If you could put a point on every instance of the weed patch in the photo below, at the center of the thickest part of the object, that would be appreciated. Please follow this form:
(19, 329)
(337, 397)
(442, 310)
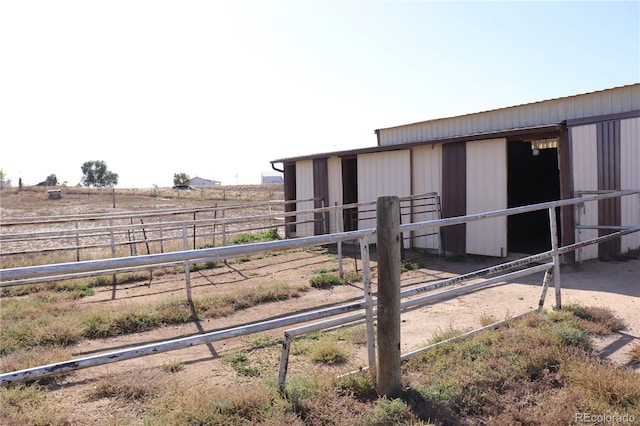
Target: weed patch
(269, 235)
(596, 320)
(326, 280)
(240, 363)
(511, 373)
(328, 352)
(409, 266)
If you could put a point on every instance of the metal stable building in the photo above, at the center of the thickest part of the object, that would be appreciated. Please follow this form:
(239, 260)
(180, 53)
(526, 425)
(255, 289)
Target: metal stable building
(507, 157)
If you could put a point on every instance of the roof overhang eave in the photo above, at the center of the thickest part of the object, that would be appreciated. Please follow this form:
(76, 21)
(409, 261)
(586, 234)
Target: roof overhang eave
(509, 133)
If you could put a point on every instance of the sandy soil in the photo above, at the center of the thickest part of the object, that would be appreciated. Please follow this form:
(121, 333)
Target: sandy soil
(606, 284)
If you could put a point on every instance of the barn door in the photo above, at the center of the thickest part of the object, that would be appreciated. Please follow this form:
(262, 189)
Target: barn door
(608, 158)
(487, 191)
(454, 188)
(320, 194)
(290, 195)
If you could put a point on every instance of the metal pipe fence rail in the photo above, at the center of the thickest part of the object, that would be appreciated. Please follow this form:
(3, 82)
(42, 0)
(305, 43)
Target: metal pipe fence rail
(157, 236)
(551, 269)
(20, 235)
(427, 205)
(141, 214)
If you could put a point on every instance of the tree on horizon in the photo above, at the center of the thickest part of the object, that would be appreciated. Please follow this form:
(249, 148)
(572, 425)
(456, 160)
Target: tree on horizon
(96, 173)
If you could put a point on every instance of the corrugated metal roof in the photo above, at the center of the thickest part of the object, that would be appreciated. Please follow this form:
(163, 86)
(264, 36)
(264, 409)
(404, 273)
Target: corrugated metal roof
(609, 101)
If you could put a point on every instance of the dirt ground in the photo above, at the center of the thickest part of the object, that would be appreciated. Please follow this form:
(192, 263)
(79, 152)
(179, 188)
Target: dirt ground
(613, 284)
(605, 284)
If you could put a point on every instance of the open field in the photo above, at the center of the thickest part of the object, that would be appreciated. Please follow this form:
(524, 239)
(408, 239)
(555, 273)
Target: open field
(33, 201)
(211, 378)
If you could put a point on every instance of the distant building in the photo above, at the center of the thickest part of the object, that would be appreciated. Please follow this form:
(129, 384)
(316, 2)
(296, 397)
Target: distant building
(271, 178)
(197, 181)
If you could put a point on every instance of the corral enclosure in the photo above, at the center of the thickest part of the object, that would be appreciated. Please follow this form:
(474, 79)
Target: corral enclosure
(42, 225)
(249, 276)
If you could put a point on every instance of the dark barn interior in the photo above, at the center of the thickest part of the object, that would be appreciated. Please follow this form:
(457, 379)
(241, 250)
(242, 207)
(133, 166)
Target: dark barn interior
(532, 177)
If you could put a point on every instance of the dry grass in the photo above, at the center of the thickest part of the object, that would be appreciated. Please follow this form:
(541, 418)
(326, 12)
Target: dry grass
(45, 320)
(634, 353)
(102, 199)
(537, 370)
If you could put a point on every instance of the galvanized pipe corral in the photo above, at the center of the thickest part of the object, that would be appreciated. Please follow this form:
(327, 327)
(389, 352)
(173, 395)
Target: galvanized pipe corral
(9, 276)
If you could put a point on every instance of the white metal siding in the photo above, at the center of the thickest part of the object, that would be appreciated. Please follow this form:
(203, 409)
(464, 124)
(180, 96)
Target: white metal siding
(304, 191)
(382, 174)
(427, 177)
(487, 191)
(334, 170)
(611, 101)
(585, 178)
(630, 178)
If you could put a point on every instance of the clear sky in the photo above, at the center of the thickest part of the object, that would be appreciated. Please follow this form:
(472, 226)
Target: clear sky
(216, 89)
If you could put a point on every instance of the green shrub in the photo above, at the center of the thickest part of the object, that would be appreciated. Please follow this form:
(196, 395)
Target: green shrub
(328, 352)
(389, 412)
(269, 235)
(325, 281)
(409, 266)
(361, 384)
(571, 336)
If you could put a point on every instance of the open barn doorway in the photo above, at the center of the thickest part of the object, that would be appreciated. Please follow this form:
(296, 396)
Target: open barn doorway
(532, 177)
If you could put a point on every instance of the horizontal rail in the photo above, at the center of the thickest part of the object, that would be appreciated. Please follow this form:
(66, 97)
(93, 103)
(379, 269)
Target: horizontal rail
(216, 253)
(136, 215)
(467, 288)
(155, 348)
(604, 227)
(514, 210)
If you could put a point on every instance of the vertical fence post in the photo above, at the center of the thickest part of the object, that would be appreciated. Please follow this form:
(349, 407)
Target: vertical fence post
(161, 236)
(556, 257)
(194, 230)
(77, 243)
(114, 280)
(132, 239)
(339, 228)
(577, 208)
(388, 336)
(224, 230)
(366, 284)
(215, 223)
(284, 361)
(187, 272)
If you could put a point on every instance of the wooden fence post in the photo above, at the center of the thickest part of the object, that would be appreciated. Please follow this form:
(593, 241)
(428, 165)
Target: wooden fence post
(388, 334)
